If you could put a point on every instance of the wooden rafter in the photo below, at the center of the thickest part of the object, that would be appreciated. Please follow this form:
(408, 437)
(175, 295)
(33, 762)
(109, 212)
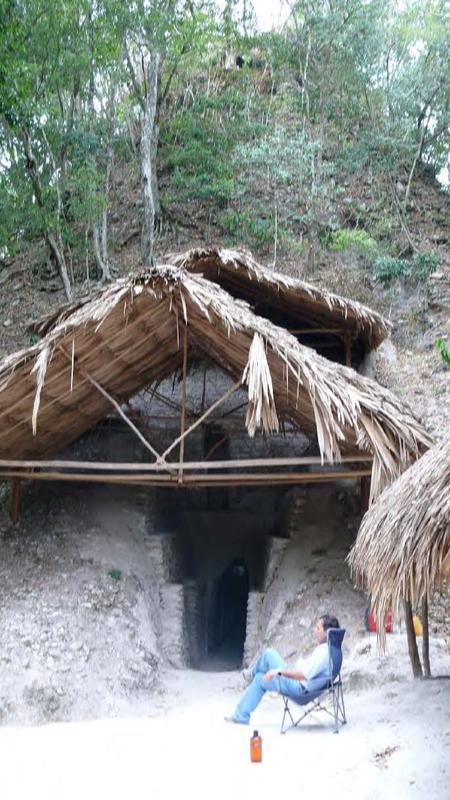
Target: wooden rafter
(7, 465)
(198, 481)
(85, 374)
(201, 419)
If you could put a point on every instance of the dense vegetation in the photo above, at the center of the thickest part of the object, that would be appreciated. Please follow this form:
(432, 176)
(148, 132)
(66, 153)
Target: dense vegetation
(261, 134)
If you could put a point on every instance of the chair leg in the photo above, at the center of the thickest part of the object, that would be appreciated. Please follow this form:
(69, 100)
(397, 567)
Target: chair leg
(336, 711)
(338, 707)
(341, 704)
(288, 712)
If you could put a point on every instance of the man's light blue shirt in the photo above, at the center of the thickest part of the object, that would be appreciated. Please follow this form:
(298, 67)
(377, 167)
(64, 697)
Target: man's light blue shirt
(316, 668)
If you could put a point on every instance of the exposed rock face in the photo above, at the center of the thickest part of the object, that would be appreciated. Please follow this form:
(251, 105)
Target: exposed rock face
(77, 635)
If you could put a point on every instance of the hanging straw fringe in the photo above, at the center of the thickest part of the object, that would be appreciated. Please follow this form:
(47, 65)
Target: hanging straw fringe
(402, 550)
(261, 411)
(40, 368)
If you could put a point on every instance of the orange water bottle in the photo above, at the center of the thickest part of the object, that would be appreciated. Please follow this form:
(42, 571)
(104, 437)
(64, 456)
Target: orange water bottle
(256, 747)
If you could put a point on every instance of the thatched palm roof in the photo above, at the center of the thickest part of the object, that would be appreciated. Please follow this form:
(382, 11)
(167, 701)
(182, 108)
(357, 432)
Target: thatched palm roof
(287, 301)
(131, 335)
(403, 546)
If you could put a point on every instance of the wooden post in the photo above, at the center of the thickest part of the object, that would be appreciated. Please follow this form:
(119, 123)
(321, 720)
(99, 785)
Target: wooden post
(412, 642)
(365, 493)
(201, 419)
(183, 406)
(425, 639)
(15, 500)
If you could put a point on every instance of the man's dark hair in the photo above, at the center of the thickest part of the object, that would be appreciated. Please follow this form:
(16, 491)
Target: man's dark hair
(329, 621)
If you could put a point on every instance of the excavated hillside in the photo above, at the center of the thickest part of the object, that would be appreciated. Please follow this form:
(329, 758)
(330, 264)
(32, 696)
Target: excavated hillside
(91, 604)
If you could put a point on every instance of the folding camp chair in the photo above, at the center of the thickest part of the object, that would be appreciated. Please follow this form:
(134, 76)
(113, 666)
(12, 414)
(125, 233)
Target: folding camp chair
(332, 690)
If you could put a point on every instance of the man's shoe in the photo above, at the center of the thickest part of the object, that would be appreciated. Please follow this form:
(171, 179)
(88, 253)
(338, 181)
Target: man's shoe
(236, 721)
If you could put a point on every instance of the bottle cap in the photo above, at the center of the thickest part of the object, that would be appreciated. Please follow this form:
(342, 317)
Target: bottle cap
(255, 733)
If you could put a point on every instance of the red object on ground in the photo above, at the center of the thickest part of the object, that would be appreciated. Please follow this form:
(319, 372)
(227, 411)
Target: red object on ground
(372, 625)
(256, 747)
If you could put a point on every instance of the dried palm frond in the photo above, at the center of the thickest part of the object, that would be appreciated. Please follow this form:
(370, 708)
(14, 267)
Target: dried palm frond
(261, 411)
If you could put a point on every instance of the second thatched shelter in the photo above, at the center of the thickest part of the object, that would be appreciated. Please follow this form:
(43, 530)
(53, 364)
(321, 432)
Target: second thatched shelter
(402, 550)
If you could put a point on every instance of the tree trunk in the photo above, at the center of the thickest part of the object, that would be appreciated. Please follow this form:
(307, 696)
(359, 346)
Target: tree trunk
(102, 265)
(58, 257)
(313, 240)
(56, 250)
(275, 234)
(425, 639)
(106, 274)
(414, 165)
(155, 187)
(69, 126)
(148, 149)
(412, 642)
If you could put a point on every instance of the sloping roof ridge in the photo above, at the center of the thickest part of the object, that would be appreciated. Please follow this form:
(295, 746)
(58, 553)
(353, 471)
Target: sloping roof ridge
(263, 274)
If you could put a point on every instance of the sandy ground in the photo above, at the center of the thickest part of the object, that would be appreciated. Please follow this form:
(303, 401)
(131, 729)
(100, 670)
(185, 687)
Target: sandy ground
(396, 744)
(71, 641)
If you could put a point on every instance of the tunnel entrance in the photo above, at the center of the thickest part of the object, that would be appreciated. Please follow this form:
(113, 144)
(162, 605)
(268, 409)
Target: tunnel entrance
(228, 618)
(218, 567)
(222, 561)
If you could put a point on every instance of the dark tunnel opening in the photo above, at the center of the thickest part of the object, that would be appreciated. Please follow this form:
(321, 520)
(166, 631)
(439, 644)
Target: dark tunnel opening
(220, 560)
(228, 618)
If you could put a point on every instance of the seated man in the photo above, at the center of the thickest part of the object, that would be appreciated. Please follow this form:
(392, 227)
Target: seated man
(270, 674)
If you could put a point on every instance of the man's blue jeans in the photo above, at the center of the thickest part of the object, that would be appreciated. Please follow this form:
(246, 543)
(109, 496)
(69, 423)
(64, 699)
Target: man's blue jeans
(253, 695)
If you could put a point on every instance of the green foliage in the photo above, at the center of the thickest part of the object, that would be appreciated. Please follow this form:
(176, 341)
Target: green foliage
(388, 268)
(441, 345)
(354, 239)
(197, 148)
(256, 228)
(233, 222)
(19, 216)
(202, 186)
(85, 189)
(350, 88)
(381, 227)
(424, 264)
